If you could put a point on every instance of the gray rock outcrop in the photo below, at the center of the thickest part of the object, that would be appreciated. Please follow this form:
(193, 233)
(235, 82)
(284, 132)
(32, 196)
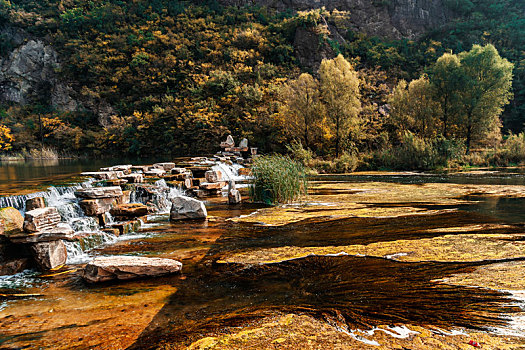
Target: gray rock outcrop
(186, 208)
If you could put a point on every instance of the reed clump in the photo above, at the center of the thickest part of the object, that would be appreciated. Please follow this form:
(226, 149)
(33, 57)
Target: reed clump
(277, 179)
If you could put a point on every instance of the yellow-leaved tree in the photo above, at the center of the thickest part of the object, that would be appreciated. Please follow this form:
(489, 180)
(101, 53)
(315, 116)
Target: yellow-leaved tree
(6, 138)
(340, 95)
(302, 109)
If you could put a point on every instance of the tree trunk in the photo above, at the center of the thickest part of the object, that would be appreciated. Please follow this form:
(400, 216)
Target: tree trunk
(337, 138)
(469, 131)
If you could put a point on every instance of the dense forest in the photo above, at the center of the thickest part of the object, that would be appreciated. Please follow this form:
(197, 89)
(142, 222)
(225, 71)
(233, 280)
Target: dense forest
(178, 77)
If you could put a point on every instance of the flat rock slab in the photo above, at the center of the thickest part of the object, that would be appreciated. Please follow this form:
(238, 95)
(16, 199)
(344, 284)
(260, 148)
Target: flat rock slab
(99, 192)
(129, 210)
(112, 268)
(63, 231)
(41, 219)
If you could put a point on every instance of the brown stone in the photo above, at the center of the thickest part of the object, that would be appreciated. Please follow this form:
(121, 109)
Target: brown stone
(133, 178)
(62, 231)
(112, 231)
(110, 268)
(212, 185)
(49, 255)
(94, 207)
(129, 210)
(35, 203)
(164, 166)
(126, 226)
(12, 219)
(12, 266)
(42, 219)
(117, 182)
(213, 176)
(99, 192)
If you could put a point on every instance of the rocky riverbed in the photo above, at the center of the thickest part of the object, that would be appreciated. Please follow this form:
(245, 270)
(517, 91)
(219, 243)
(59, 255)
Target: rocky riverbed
(372, 260)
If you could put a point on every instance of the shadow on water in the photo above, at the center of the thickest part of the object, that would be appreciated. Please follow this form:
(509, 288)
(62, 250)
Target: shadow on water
(506, 209)
(365, 291)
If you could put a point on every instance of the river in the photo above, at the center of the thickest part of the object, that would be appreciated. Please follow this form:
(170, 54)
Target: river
(368, 260)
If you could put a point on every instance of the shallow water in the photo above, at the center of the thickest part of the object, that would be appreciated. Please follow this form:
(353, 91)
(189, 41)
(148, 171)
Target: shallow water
(211, 298)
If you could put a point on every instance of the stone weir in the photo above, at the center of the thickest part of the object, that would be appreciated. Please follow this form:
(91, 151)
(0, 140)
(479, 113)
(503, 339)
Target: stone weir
(48, 229)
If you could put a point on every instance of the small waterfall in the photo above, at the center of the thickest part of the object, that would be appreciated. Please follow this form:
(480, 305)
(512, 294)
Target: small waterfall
(230, 172)
(164, 194)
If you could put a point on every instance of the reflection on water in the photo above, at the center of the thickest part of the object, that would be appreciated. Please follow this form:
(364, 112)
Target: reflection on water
(365, 291)
(505, 209)
(31, 176)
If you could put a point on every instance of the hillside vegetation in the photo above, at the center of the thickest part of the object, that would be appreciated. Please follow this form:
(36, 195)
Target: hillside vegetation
(179, 76)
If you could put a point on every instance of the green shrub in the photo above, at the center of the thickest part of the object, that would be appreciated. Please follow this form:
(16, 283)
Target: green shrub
(417, 153)
(277, 179)
(300, 154)
(512, 152)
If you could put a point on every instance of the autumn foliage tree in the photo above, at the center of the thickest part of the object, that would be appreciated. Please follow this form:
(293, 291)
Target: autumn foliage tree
(340, 95)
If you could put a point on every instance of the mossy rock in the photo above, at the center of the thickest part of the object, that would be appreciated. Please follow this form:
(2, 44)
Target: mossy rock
(12, 219)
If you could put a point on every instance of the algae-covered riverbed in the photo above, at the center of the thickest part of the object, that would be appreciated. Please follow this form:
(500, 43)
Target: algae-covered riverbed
(370, 261)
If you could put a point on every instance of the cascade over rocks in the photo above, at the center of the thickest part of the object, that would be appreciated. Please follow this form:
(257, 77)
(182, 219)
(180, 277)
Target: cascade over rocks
(105, 269)
(186, 208)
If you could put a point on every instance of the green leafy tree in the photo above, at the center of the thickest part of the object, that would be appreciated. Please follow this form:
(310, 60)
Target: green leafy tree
(486, 90)
(340, 96)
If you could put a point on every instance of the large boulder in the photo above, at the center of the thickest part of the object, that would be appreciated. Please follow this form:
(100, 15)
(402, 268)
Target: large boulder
(35, 203)
(99, 192)
(49, 255)
(129, 210)
(111, 268)
(41, 219)
(186, 208)
(12, 219)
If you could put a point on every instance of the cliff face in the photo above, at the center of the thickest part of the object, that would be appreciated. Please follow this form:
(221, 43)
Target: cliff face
(29, 73)
(393, 19)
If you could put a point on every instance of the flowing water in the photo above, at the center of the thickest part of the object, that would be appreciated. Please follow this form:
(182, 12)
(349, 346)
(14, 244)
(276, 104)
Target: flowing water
(212, 298)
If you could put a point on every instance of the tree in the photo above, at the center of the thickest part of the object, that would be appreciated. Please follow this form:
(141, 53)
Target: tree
(302, 108)
(446, 79)
(486, 90)
(340, 96)
(414, 109)
(6, 138)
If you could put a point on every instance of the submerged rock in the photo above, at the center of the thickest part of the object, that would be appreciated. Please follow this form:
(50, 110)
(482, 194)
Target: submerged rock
(105, 269)
(186, 208)
(41, 219)
(12, 219)
(49, 255)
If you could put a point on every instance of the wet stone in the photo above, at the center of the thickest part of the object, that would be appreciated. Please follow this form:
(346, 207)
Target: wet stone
(105, 269)
(42, 219)
(133, 178)
(129, 210)
(49, 255)
(99, 192)
(63, 231)
(35, 203)
(186, 208)
(94, 207)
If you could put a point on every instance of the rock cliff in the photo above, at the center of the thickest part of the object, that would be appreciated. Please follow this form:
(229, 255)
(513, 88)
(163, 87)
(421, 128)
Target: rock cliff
(393, 19)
